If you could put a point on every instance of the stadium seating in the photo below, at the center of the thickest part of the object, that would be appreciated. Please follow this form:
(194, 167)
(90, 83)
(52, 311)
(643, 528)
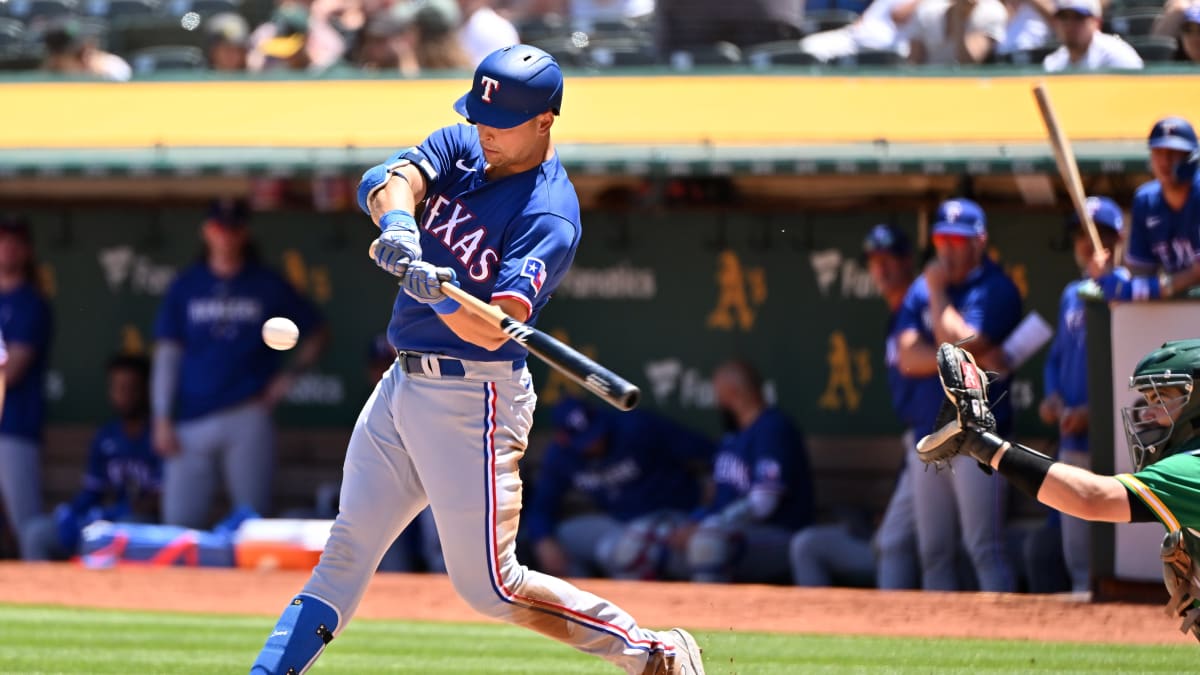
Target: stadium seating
(33, 10)
(780, 53)
(717, 54)
(1134, 21)
(12, 36)
(113, 9)
(167, 57)
(828, 19)
(1154, 48)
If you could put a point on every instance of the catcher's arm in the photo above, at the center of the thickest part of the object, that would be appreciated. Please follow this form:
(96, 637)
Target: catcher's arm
(965, 426)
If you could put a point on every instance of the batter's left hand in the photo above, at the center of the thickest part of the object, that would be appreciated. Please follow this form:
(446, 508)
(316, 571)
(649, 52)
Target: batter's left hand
(423, 281)
(399, 242)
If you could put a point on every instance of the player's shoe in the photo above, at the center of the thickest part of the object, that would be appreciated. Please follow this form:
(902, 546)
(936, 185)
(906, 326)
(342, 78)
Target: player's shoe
(687, 653)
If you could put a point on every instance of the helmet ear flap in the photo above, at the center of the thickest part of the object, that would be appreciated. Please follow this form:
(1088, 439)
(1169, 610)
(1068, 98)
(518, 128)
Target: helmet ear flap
(1185, 169)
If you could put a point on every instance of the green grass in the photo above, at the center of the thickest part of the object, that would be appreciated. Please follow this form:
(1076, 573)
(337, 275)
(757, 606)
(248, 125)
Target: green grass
(66, 640)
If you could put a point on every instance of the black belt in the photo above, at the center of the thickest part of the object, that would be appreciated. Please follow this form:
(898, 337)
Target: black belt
(448, 367)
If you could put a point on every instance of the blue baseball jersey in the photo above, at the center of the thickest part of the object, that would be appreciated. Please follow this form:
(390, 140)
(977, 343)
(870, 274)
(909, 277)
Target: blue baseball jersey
(905, 398)
(645, 469)
(122, 470)
(514, 237)
(25, 320)
(1065, 372)
(989, 302)
(218, 322)
(1160, 236)
(769, 454)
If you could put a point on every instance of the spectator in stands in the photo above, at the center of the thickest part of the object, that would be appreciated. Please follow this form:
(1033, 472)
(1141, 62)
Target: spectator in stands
(3, 363)
(584, 15)
(764, 491)
(70, 52)
(412, 38)
(1189, 34)
(1180, 19)
(879, 28)
(825, 555)
(483, 30)
(640, 474)
(1028, 26)
(215, 382)
(686, 24)
(961, 297)
(123, 475)
(1084, 47)
(295, 39)
(227, 38)
(1065, 405)
(948, 32)
(27, 326)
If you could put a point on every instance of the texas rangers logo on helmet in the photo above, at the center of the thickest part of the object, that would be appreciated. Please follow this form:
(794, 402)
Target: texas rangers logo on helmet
(536, 271)
(489, 85)
(953, 211)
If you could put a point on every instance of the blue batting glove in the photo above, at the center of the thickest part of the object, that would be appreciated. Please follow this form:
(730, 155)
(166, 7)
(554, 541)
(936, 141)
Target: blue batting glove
(423, 282)
(399, 242)
(1119, 285)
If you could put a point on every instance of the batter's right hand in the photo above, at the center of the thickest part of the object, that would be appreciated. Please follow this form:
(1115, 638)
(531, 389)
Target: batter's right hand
(166, 443)
(399, 242)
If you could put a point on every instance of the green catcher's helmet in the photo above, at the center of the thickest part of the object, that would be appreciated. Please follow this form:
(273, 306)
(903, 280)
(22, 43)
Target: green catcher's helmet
(1168, 414)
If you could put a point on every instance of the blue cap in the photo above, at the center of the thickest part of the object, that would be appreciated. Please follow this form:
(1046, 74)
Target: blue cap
(577, 425)
(961, 217)
(1104, 212)
(886, 238)
(229, 212)
(512, 86)
(1174, 133)
(1192, 14)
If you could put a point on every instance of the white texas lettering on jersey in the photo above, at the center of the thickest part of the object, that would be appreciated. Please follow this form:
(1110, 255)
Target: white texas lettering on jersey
(447, 221)
(489, 85)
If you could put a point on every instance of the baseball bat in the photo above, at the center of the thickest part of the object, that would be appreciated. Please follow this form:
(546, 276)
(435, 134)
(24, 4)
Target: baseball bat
(1064, 156)
(607, 385)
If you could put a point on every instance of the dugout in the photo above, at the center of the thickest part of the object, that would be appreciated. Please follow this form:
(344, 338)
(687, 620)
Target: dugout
(726, 226)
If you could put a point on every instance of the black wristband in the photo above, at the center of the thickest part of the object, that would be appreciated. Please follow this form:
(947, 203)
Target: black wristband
(1025, 468)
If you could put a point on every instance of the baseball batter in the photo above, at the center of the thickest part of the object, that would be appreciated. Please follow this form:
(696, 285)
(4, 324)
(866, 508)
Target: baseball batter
(449, 422)
(1163, 431)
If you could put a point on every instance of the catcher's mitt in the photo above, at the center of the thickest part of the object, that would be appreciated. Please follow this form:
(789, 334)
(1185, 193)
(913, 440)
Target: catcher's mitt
(965, 407)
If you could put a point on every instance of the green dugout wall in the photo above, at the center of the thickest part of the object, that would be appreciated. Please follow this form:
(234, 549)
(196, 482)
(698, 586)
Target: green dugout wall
(660, 298)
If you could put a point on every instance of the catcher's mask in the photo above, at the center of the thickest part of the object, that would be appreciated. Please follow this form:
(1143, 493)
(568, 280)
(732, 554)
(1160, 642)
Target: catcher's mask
(1167, 413)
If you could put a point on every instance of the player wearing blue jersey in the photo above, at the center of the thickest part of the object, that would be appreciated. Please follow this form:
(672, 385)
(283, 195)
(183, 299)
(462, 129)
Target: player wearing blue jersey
(215, 381)
(27, 325)
(639, 471)
(1065, 405)
(763, 488)
(123, 475)
(824, 555)
(961, 294)
(449, 422)
(1163, 254)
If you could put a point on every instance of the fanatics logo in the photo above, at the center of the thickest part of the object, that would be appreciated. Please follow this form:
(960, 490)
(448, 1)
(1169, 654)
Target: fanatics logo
(489, 85)
(535, 270)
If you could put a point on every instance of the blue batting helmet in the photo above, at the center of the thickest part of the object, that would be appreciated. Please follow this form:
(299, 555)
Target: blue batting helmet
(512, 86)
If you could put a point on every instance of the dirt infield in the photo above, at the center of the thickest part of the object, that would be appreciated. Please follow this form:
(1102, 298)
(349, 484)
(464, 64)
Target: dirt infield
(734, 608)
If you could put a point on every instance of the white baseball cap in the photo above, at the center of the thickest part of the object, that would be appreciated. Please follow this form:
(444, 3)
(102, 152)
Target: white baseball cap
(1084, 7)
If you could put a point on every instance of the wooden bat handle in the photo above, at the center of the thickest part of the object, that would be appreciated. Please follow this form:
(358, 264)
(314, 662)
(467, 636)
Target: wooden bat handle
(1064, 157)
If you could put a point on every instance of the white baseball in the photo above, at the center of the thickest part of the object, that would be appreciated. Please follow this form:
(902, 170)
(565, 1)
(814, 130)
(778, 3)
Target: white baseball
(280, 333)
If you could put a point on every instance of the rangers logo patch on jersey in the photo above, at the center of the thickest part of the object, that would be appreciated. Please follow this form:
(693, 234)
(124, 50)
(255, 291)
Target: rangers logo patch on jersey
(535, 270)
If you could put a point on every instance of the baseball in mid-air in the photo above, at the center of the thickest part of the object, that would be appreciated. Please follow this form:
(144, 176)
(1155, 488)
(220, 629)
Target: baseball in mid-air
(280, 333)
